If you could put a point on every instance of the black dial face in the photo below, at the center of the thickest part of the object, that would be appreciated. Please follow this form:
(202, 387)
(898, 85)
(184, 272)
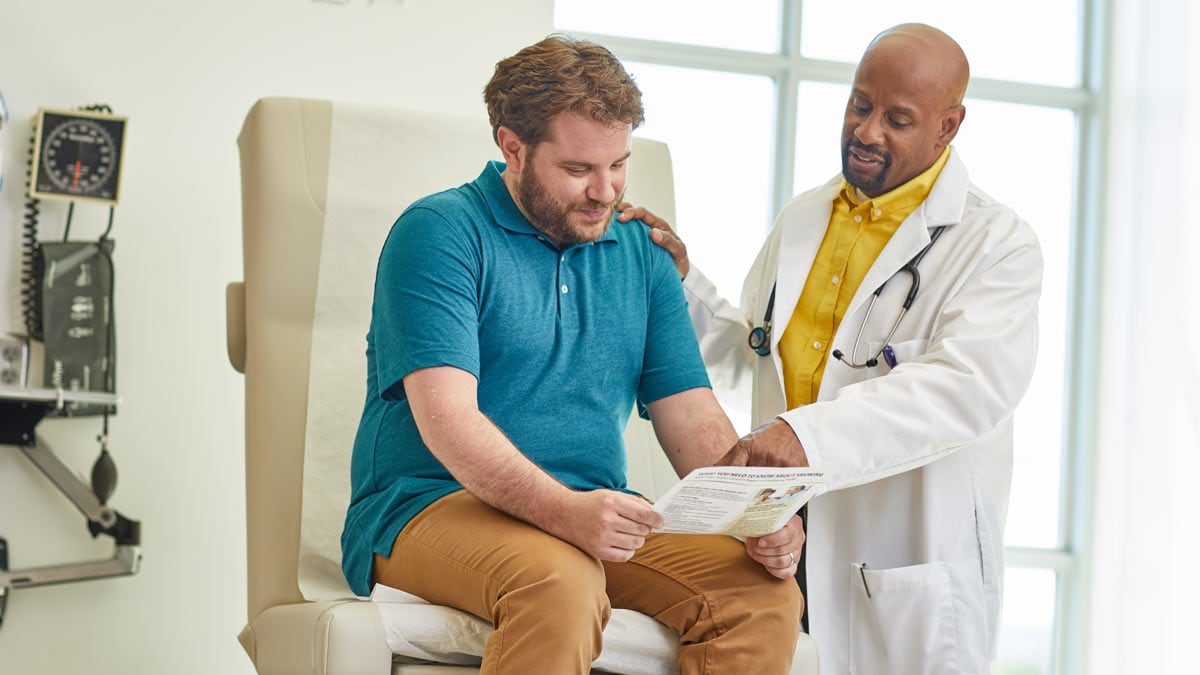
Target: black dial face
(79, 156)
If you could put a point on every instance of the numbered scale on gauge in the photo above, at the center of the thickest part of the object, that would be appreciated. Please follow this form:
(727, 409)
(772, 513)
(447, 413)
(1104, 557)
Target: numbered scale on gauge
(77, 155)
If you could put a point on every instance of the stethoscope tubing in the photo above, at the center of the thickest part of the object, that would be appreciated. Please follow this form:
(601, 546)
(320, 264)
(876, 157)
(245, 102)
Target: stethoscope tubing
(759, 338)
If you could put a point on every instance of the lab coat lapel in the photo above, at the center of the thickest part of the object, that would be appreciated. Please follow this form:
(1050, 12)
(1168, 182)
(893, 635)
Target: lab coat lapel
(906, 242)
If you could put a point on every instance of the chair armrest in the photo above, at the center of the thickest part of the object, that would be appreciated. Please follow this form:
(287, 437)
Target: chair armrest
(235, 325)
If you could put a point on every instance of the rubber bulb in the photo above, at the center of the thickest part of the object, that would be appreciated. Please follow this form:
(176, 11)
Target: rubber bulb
(104, 476)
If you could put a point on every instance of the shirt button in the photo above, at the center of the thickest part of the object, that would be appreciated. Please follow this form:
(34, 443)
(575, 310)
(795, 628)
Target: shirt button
(878, 212)
(817, 344)
(836, 280)
(564, 288)
(858, 219)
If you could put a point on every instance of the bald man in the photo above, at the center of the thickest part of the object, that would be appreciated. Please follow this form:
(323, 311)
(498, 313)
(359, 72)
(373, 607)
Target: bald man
(907, 409)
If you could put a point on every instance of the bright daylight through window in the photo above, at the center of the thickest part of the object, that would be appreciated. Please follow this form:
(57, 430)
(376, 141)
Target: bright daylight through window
(750, 96)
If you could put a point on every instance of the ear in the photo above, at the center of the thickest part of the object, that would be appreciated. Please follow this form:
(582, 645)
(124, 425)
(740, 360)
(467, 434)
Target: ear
(951, 122)
(514, 150)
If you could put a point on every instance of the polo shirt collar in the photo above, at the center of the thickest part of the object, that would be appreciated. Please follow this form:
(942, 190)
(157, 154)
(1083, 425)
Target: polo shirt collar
(505, 211)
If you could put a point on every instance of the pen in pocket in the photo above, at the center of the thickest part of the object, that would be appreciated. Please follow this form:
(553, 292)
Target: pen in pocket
(889, 355)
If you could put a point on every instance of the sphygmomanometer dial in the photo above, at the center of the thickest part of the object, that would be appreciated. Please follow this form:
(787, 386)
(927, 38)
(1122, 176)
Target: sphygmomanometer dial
(77, 156)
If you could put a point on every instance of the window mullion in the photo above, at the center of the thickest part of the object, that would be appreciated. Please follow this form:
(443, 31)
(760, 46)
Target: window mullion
(787, 98)
(1062, 562)
(1081, 401)
(689, 56)
(1074, 98)
(787, 92)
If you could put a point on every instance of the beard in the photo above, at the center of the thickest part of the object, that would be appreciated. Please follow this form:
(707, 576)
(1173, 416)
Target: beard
(553, 217)
(872, 184)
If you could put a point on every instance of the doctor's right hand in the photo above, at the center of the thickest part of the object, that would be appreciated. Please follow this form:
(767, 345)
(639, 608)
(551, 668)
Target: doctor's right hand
(606, 524)
(772, 444)
(661, 233)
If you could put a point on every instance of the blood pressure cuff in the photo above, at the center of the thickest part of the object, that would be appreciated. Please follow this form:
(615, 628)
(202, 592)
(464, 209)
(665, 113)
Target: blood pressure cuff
(77, 320)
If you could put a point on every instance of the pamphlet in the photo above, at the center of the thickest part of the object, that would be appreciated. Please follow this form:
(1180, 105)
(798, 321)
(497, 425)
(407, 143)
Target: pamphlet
(743, 501)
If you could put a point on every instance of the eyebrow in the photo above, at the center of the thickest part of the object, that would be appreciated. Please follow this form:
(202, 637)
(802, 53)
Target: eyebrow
(580, 163)
(903, 110)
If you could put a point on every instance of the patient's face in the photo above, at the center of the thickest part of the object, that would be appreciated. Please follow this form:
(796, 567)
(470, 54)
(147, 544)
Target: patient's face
(571, 183)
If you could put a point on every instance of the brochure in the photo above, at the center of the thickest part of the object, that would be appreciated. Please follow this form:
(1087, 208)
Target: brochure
(743, 501)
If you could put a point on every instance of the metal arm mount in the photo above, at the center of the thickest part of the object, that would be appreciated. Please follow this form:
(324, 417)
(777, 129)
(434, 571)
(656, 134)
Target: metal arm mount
(20, 412)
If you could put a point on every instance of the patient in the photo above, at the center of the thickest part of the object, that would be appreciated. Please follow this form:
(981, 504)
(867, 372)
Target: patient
(514, 326)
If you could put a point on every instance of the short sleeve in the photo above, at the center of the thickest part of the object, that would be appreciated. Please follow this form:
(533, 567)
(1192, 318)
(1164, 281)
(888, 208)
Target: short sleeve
(426, 307)
(671, 362)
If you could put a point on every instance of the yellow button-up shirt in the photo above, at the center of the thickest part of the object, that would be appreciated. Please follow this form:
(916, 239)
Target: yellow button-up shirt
(859, 228)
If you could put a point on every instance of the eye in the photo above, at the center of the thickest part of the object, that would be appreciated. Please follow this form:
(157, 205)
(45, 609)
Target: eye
(859, 106)
(899, 122)
(577, 170)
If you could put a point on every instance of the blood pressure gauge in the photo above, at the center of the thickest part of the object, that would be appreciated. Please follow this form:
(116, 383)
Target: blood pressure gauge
(77, 156)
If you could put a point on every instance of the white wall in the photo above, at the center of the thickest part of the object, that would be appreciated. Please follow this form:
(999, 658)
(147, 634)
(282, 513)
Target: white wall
(185, 74)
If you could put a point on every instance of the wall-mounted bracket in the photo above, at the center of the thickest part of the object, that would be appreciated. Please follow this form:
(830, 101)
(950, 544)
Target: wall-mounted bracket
(21, 409)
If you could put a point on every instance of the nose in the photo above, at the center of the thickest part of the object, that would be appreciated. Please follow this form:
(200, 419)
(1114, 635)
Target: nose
(869, 130)
(603, 187)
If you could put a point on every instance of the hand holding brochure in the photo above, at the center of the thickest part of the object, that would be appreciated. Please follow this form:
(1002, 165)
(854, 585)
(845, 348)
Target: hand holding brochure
(743, 501)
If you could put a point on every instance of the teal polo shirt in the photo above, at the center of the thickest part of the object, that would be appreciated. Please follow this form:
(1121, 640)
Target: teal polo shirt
(563, 342)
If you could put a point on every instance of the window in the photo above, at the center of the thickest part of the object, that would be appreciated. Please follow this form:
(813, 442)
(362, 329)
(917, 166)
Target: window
(775, 76)
(748, 25)
(728, 176)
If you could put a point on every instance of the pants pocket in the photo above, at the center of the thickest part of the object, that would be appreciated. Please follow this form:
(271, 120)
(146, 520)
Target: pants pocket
(902, 620)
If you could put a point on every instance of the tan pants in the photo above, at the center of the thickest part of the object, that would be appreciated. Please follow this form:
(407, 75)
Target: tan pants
(549, 601)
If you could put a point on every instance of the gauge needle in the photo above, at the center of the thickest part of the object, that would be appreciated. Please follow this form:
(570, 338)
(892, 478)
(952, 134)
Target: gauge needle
(77, 167)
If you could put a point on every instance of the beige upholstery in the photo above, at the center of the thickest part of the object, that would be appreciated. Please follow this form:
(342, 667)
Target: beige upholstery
(285, 153)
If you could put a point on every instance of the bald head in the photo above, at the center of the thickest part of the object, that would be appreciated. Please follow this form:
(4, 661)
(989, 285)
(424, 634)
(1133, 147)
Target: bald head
(905, 106)
(931, 57)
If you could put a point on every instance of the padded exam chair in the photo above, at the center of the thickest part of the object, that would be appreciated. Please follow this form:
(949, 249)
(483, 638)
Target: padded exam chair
(322, 183)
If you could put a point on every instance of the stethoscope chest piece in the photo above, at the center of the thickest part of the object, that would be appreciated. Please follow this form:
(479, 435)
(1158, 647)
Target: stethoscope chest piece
(760, 336)
(760, 339)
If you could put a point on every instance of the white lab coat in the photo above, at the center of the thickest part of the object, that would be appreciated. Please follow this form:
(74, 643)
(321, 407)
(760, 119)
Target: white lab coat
(918, 459)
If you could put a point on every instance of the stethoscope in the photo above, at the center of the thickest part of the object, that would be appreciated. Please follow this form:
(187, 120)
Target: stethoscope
(760, 336)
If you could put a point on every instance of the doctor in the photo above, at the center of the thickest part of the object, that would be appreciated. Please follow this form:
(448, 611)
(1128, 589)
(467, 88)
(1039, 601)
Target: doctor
(908, 411)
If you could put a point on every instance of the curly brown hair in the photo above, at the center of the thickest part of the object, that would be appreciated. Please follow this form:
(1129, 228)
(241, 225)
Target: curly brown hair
(557, 75)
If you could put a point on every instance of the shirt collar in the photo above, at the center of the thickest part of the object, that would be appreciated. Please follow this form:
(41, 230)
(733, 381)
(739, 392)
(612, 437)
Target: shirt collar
(504, 209)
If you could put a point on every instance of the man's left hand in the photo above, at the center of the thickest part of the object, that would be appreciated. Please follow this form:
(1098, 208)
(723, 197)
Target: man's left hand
(779, 552)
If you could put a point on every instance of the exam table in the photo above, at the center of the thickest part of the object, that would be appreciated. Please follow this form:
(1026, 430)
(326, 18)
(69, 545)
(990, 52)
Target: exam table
(322, 182)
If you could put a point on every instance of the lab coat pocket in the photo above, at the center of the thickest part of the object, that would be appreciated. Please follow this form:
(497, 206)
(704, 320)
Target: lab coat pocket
(902, 620)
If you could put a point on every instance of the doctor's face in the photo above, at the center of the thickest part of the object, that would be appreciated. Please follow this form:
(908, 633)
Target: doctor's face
(569, 185)
(897, 121)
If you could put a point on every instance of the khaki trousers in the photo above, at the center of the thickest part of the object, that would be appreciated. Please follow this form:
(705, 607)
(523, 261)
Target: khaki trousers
(549, 601)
